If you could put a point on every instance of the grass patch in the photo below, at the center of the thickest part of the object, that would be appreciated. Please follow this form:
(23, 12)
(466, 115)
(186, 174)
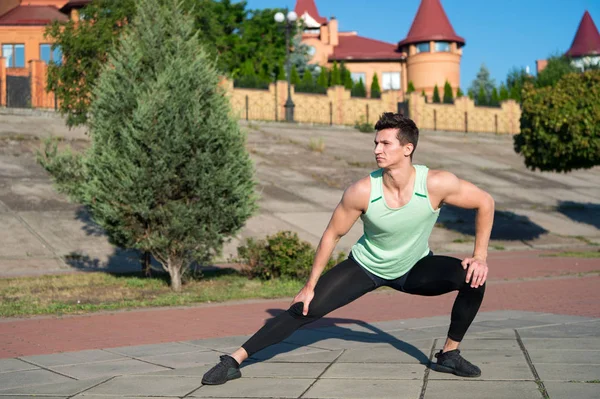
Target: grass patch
(462, 240)
(91, 292)
(498, 247)
(574, 254)
(316, 145)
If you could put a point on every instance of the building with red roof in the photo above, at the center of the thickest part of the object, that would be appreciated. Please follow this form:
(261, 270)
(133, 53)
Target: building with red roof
(585, 48)
(22, 25)
(429, 55)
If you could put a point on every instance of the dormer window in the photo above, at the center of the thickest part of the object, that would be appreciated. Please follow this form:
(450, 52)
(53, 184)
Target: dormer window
(423, 47)
(442, 47)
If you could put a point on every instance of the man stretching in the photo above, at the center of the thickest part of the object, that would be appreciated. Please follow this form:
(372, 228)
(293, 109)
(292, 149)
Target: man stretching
(399, 205)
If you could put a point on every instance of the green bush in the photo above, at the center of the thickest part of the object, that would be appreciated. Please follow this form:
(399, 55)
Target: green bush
(359, 89)
(560, 125)
(282, 255)
(436, 95)
(411, 87)
(375, 88)
(363, 126)
(448, 99)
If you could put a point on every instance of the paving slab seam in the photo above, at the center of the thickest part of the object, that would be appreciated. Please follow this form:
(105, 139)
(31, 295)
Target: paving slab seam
(538, 380)
(46, 368)
(428, 369)
(323, 372)
(93, 386)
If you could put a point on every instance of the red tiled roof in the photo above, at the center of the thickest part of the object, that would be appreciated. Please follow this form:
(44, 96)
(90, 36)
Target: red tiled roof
(32, 15)
(309, 7)
(361, 48)
(431, 23)
(587, 38)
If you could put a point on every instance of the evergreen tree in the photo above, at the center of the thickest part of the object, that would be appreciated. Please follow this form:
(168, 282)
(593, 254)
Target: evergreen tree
(167, 171)
(471, 94)
(494, 99)
(484, 81)
(557, 67)
(503, 92)
(459, 93)
(359, 89)
(336, 78)
(424, 95)
(411, 87)
(375, 89)
(448, 99)
(322, 81)
(281, 72)
(481, 97)
(307, 84)
(436, 95)
(346, 77)
(294, 76)
(515, 80)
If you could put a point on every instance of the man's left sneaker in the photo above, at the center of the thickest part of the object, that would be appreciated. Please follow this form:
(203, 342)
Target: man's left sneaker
(227, 369)
(452, 362)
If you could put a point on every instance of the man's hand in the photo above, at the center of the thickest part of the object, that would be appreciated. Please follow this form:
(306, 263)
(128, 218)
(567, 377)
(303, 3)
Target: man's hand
(305, 295)
(477, 271)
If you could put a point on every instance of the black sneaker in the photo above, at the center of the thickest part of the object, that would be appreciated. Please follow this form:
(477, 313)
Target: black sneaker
(452, 362)
(227, 369)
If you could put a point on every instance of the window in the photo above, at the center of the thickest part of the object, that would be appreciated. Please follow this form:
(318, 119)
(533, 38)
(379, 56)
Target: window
(14, 54)
(423, 47)
(48, 55)
(356, 76)
(442, 46)
(390, 80)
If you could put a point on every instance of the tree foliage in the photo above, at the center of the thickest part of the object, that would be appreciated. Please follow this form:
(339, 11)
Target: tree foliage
(560, 124)
(557, 67)
(167, 172)
(375, 88)
(436, 95)
(232, 35)
(359, 89)
(448, 98)
(410, 88)
(483, 83)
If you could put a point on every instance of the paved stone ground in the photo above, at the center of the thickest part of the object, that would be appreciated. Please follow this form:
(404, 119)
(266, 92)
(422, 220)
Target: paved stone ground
(298, 189)
(521, 354)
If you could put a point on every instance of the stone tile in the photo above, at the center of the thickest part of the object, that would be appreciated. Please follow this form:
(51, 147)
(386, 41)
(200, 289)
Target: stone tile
(256, 388)
(154, 350)
(385, 354)
(30, 377)
(346, 342)
(551, 318)
(112, 368)
(510, 323)
(490, 356)
(496, 334)
(187, 359)
(9, 365)
(376, 371)
(573, 330)
(572, 390)
(473, 389)
(568, 372)
(65, 388)
(30, 397)
(288, 370)
(589, 343)
(220, 343)
(316, 357)
(62, 359)
(283, 350)
(184, 372)
(364, 388)
(565, 356)
(147, 386)
(491, 372)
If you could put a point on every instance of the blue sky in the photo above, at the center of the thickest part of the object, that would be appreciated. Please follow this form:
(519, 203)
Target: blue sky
(499, 33)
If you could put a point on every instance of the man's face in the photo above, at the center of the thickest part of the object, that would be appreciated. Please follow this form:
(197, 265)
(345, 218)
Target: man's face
(388, 150)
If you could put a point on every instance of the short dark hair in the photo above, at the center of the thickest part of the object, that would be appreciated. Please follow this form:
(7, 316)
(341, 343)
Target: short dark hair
(407, 130)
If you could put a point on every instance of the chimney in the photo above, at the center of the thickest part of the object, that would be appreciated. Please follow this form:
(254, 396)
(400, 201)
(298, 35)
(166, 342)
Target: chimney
(324, 34)
(333, 32)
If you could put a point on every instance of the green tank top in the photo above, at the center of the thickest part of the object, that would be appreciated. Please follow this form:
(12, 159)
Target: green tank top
(395, 239)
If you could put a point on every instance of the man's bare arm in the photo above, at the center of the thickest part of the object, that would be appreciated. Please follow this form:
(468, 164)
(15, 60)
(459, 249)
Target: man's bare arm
(454, 191)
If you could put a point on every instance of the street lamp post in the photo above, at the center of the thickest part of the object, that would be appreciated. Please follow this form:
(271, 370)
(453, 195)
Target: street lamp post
(289, 20)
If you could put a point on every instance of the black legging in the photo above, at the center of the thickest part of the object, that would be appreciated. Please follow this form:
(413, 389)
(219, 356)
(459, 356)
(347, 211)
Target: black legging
(432, 275)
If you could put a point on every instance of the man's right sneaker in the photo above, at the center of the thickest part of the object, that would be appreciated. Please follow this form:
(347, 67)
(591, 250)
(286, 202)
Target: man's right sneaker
(227, 369)
(452, 362)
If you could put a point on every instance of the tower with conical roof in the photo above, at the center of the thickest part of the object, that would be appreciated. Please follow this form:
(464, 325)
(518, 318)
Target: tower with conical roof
(585, 49)
(433, 49)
